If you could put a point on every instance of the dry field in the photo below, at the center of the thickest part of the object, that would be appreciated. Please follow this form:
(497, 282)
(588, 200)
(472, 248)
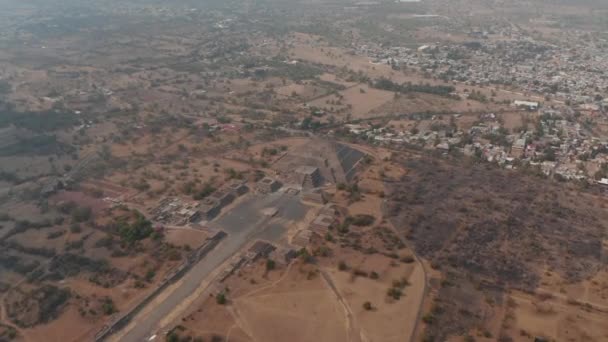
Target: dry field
(360, 100)
(309, 48)
(296, 308)
(389, 320)
(305, 302)
(294, 304)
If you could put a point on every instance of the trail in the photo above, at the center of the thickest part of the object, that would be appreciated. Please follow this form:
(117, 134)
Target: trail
(354, 333)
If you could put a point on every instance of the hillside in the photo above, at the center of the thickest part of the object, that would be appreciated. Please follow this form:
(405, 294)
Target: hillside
(488, 230)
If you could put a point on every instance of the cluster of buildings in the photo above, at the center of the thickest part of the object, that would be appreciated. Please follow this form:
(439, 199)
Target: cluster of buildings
(212, 205)
(175, 211)
(558, 144)
(573, 71)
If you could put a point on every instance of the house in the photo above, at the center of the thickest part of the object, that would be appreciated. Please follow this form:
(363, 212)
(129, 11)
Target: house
(526, 104)
(604, 105)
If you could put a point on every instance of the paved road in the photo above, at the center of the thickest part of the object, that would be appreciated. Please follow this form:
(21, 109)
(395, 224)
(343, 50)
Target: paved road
(243, 224)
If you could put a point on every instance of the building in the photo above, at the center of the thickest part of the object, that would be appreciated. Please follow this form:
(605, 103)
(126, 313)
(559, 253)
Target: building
(268, 185)
(604, 105)
(321, 224)
(518, 148)
(302, 238)
(330, 209)
(309, 177)
(223, 197)
(209, 208)
(175, 211)
(316, 196)
(238, 188)
(260, 249)
(423, 49)
(526, 104)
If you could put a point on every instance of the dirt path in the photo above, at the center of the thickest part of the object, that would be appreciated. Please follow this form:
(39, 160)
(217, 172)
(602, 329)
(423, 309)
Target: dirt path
(239, 322)
(354, 333)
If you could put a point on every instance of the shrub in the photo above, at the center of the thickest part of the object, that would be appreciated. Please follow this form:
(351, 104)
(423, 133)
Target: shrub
(408, 259)
(395, 293)
(75, 228)
(81, 214)
(150, 275)
(342, 266)
(367, 306)
(51, 300)
(207, 190)
(107, 307)
(305, 255)
(172, 337)
(360, 273)
(429, 318)
(139, 230)
(106, 241)
(270, 265)
(54, 235)
(221, 298)
(363, 220)
(401, 283)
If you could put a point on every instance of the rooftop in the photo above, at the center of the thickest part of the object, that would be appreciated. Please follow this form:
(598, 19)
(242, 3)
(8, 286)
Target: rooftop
(306, 169)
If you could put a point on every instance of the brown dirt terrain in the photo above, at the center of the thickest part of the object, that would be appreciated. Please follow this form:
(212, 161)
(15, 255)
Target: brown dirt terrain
(298, 308)
(389, 320)
(293, 304)
(185, 236)
(361, 100)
